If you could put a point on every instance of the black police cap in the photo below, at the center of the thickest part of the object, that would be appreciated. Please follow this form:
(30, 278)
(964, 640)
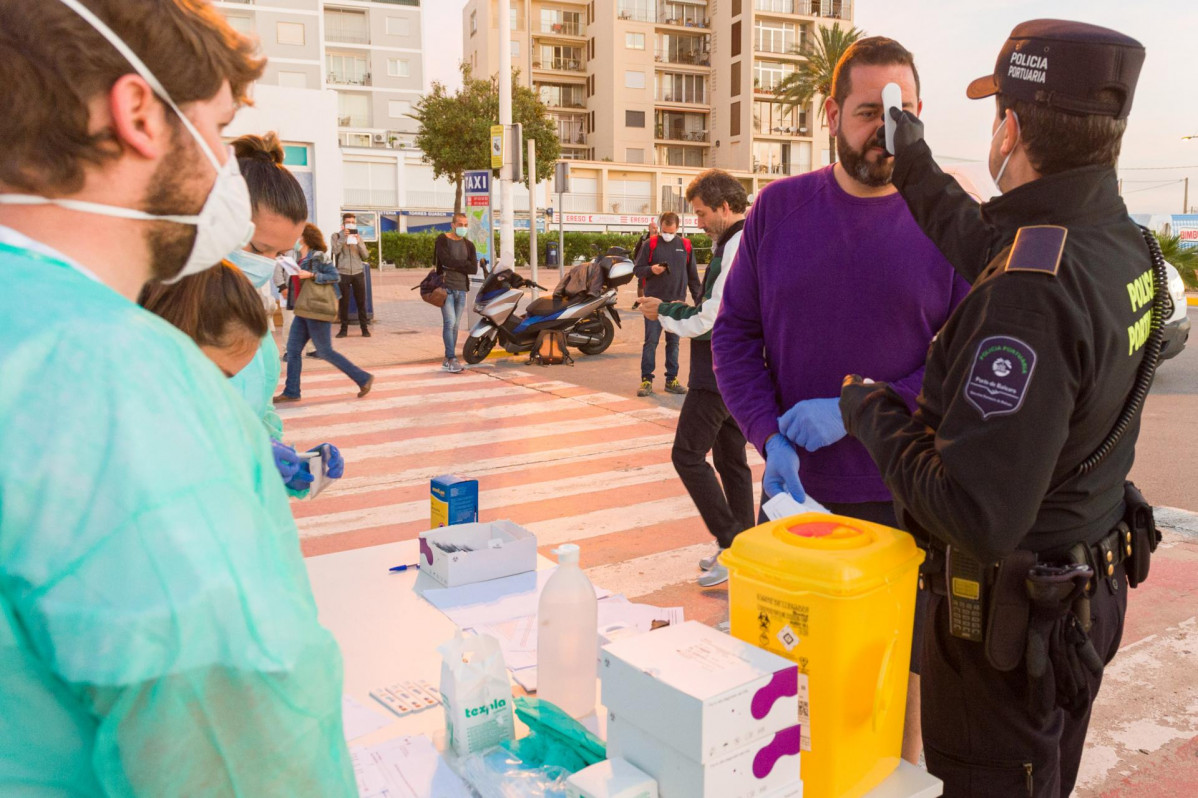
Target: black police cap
(1067, 66)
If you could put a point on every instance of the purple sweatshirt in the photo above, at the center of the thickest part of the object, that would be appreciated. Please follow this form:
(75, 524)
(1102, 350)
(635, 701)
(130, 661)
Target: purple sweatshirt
(827, 284)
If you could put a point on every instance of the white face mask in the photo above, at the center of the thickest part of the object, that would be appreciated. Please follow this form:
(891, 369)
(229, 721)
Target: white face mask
(1002, 169)
(223, 225)
(667, 237)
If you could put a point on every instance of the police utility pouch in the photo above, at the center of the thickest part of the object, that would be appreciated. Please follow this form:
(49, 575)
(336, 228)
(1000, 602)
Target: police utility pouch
(1144, 535)
(1008, 613)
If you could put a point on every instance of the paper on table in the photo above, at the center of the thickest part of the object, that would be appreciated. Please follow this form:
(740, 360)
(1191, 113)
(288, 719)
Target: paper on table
(406, 767)
(784, 506)
(494, 601)
(358, 720)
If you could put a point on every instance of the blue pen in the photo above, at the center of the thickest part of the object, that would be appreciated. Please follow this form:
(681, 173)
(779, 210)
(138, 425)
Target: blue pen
(399, 568)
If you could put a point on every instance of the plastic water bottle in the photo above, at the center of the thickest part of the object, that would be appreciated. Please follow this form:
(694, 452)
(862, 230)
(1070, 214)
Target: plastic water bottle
(568, 637)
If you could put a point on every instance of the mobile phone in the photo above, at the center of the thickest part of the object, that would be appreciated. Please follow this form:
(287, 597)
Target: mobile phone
(892, 97)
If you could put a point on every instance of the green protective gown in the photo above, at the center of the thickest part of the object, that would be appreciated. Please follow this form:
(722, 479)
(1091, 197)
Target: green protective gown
(257, 383)
(158, 634)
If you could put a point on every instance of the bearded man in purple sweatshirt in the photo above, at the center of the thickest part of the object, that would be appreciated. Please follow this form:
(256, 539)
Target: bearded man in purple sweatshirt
(834, 276)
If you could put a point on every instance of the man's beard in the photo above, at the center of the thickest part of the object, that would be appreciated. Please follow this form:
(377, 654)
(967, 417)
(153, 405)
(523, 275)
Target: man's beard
(874, 175)
(715, 229)
(176, 189)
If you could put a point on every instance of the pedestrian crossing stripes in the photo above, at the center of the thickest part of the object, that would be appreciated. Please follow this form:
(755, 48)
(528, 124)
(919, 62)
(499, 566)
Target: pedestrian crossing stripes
(568, 462)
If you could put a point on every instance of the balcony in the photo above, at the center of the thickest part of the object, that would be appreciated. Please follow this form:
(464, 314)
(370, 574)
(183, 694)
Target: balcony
(564, 28)
(829, 9)
(576, 139)
(353, 120)
(685, 136)
(337, 78)
(561, 64)
(681, 20)
(685, 57)
(666, 95)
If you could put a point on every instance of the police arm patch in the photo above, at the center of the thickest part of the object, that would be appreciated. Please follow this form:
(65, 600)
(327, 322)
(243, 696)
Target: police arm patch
(1000, 376)
(1037, 248)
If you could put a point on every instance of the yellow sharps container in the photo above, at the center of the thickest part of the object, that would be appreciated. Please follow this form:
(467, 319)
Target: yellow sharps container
(837, 596)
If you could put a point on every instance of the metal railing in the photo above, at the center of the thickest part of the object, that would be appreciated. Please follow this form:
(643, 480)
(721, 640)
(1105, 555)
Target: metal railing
(561, 64)
(664, 19)
(573, 100)
(690, 136)
(370, 197)
(343, 79)
(669, 96)
(564, 28)
(691, 57)
(831, 9)
(335, 34)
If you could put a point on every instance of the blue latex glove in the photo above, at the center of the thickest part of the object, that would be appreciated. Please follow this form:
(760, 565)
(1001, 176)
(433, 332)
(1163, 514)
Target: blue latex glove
(334, 466)
(782, 469)
(286, 459)
(813, 423)
(302, 479)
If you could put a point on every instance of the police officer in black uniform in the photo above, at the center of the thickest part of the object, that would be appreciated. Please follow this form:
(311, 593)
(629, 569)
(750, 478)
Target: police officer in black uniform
(1029, 377)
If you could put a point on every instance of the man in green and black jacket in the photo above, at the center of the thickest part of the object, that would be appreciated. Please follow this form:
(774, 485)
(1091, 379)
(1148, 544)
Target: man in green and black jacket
(705, 425)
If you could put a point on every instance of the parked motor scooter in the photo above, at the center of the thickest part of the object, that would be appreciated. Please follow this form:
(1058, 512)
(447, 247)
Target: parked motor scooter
(583, 318)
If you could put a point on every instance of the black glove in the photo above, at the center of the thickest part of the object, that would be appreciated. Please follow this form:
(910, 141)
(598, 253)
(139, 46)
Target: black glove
(855, 391)
(907, 130)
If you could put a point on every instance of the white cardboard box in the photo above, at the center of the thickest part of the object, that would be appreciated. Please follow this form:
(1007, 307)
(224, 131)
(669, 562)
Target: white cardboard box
(465, 553)
(612, 778)
(701, 691)
(766, 768)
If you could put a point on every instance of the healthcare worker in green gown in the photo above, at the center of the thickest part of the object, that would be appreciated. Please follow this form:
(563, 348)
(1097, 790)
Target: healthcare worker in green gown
(158, 634)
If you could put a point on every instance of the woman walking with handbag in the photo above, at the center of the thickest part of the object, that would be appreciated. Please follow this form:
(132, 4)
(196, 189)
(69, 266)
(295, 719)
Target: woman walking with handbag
(317, 294)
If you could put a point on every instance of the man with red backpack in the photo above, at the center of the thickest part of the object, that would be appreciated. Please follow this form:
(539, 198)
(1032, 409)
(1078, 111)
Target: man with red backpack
(666, 263)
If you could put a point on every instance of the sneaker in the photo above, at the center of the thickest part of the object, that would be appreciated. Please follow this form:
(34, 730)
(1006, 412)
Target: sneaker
(712, 560)
(646, 388)
(344, 332)
(366, 386)
(445, 364)
(674, 386)
(716, 576)
(454, 367)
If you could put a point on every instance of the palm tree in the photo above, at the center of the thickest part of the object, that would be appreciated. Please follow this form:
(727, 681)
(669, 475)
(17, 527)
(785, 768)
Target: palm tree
(814, 75)
(1185, 260)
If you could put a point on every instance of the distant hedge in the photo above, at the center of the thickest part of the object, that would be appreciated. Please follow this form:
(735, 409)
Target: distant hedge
(415, 250)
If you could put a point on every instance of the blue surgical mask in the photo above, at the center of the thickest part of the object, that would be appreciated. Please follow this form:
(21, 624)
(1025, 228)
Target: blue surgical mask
(461, 231)
(258, 268)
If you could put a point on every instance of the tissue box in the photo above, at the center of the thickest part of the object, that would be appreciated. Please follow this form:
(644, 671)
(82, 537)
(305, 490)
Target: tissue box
(466, 553)
(453, 500)
(614, 778)
(766, 767)
(702, 691)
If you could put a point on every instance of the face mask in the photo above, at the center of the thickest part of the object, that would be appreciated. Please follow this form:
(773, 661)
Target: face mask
(461, 231)
(223, 225)
(667, 237)
(258, 268)
(1002, 169)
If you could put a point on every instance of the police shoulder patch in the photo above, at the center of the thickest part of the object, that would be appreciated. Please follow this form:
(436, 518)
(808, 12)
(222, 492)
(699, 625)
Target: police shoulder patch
(1000, 376)
(1037, 248)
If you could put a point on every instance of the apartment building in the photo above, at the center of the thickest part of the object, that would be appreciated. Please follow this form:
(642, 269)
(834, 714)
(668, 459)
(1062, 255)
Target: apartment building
(364, 59)
(679, 85)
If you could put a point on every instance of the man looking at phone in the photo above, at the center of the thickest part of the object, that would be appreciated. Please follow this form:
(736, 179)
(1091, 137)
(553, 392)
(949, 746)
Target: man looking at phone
(350, 254)
(666, 264)
(832, 269)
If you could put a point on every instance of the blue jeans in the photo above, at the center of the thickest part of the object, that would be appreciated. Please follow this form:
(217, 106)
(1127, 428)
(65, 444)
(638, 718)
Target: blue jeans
(451, 314)
(320, 333)
(649, 352)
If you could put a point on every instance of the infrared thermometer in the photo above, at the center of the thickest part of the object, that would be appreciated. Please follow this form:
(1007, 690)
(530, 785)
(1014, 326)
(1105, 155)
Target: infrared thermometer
(892, 97)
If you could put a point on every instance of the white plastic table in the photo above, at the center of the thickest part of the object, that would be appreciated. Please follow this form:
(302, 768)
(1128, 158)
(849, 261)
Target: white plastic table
(388, 633)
